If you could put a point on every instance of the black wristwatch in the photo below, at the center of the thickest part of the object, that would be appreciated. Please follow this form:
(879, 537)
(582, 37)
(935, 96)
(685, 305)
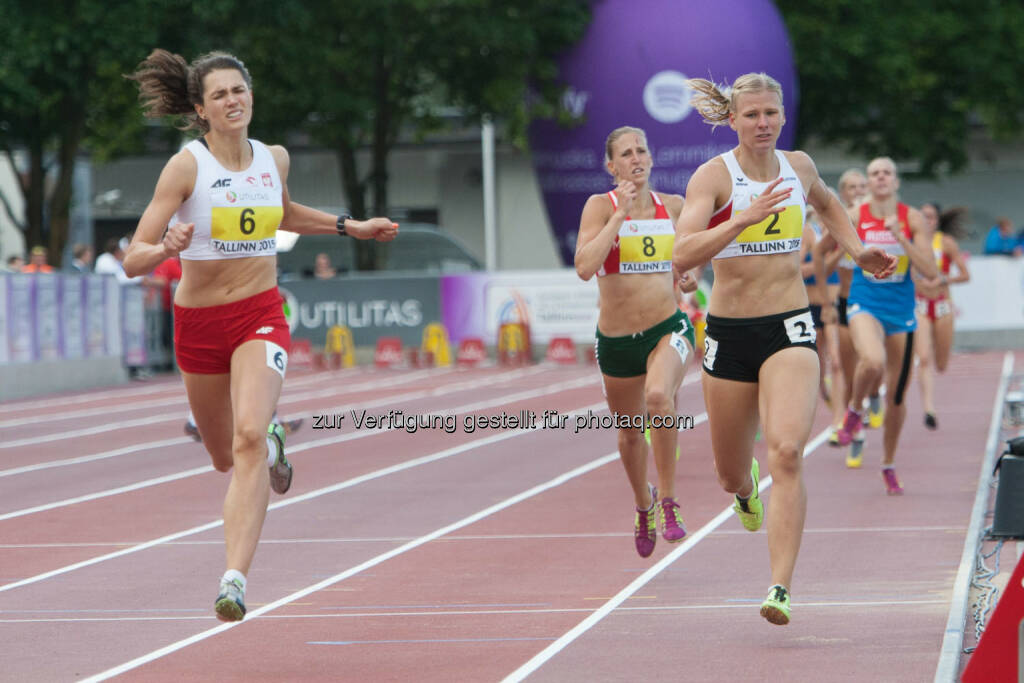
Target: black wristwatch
(341, 224)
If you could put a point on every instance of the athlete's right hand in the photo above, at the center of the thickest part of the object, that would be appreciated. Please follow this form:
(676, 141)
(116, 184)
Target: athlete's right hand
(626, 192)
(178, 237)
(765, 204)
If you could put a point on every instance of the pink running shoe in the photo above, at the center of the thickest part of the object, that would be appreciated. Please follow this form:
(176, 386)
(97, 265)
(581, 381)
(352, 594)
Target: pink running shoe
(671, 521)
(892, 483)
(644, 528)
(851, 429)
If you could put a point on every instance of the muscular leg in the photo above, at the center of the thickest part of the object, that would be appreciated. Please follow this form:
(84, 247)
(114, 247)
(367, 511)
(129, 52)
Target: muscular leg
(209, 397)
(255, 389)
(733, 419)
(943, 341)
(897, 361)
(924, 350)
(848, 363)
(839, 395)
(665, 372)
(869, 343)
(787, 400)
(626, 397)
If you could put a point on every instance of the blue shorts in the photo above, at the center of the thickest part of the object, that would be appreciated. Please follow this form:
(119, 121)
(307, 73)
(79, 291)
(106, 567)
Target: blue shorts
(893, 322)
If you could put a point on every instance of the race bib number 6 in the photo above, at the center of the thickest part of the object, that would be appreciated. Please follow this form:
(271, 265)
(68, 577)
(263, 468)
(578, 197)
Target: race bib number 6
(244, 223)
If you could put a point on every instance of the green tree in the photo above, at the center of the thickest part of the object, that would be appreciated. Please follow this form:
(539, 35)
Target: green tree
(62, 93)
(357, 75)
(907, 81)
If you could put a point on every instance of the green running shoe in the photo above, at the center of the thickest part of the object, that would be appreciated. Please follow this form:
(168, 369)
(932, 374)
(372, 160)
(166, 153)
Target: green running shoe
(281, 470)
(751, 510)
(775, 607)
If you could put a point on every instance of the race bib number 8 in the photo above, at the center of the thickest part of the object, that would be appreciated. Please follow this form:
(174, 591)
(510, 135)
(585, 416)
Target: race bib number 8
(643, 248)
(244, 223)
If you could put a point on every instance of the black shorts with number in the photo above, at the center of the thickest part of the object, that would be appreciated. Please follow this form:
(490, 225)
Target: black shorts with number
(735, 348)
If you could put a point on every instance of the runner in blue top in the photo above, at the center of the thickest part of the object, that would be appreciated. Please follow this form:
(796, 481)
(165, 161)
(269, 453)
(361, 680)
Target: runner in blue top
(881, 311)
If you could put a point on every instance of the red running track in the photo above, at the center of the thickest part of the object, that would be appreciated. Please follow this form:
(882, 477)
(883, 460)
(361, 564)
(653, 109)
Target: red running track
(437, 556)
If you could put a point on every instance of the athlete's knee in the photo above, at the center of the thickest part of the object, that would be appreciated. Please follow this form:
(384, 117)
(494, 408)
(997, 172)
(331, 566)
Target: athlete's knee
(630, 439)
(941, 364)
(658, 401)
(786, 458)
(222, 462)
(872, 365)
(248, 440)
(733, 482)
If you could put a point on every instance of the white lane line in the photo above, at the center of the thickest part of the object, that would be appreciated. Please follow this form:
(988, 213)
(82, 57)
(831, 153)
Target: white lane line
(502, 612)
(725, 533)
(466, 521)
(156, 481)
(295, 499)
(179, 416)
(373, 562)
(948, 666)
(179, 400)
(413, 395)
(691, 542)
(153, 387)
(361, 434)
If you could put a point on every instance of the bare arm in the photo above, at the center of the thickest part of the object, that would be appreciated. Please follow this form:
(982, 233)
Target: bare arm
(952, 249)
(837, 221)
(920, 249)
(154, 241)
(306, 220)
(598, 229)
(822, 253)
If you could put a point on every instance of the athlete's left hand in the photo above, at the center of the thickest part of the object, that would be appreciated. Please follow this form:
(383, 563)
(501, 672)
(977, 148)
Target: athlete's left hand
(380, 229)
(877, 262)
(687, 283)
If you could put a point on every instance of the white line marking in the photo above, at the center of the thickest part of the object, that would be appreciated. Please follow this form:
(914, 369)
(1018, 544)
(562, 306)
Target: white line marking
(466, 521)
(351, 436)
(460, 613)
(691, 541)
(383, 557)
(947, 668)
(147, 421)
(156, 481)
(439, 391)
(725, 533)
(179, 400)
(289, 501)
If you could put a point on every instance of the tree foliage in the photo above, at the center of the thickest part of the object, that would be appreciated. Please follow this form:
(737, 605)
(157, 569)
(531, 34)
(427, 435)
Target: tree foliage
(361, 75)
(908, 81)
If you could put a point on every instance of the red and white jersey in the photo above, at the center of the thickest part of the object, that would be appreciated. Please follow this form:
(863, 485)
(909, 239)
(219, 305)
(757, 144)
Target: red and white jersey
(641, 246)
(872, 232)
(779, 233)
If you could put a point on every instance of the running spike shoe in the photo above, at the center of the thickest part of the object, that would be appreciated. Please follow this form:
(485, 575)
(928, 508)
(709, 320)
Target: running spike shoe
(672, 527)
(892, 482)
(230, 604)
(644, 526)
(775, 607)
(751, 510)
(281, 470)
